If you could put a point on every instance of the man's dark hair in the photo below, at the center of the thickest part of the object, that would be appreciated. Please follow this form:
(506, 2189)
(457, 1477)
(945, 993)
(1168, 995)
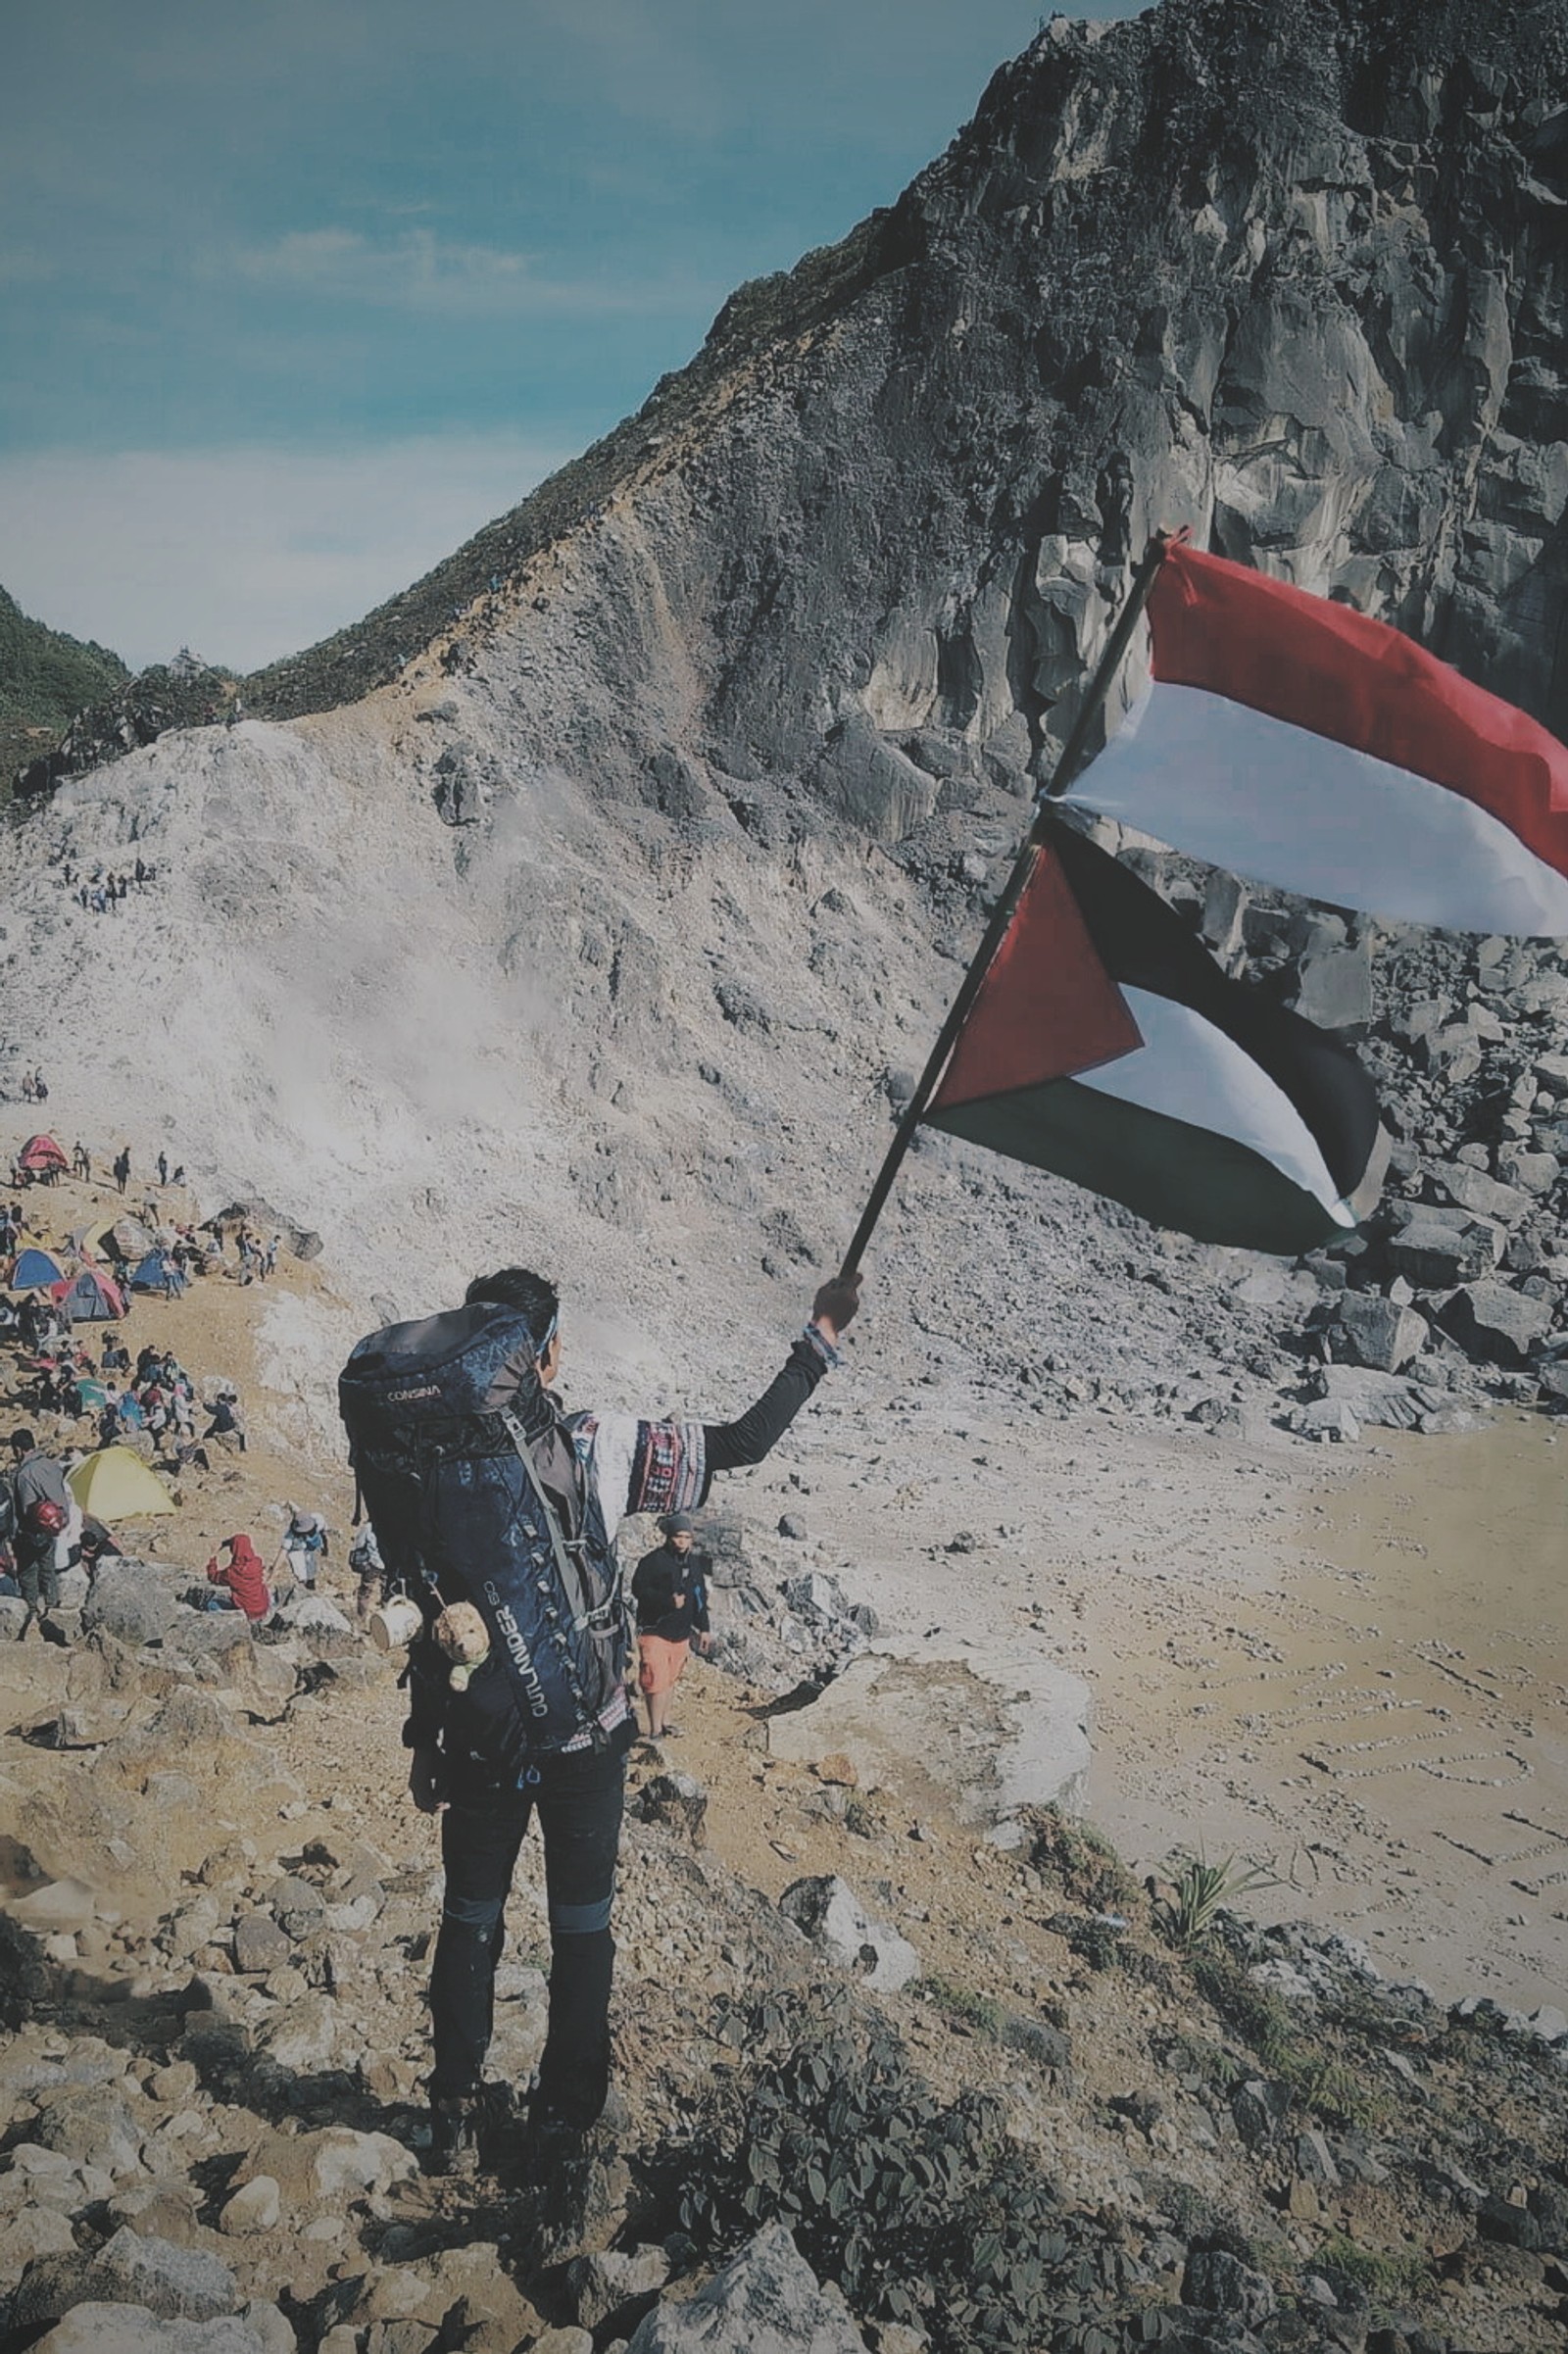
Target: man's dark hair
(23, 1441)
(533, 1297)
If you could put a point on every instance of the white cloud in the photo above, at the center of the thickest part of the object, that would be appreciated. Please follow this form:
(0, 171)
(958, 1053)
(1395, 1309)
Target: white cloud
(419, 271)
(244, 553)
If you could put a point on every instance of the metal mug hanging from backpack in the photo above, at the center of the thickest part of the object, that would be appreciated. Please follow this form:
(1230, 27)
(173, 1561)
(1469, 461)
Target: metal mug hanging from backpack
(395, 1623)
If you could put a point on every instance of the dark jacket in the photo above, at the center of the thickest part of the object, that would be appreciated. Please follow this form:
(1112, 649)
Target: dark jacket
(658, 1579)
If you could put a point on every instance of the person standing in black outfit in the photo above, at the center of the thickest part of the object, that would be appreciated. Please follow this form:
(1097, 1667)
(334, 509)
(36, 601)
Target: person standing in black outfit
(671, 1596)
(466, 1738)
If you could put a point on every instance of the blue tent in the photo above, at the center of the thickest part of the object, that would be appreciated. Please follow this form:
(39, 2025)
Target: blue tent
(152, 1275)
(34, 1266)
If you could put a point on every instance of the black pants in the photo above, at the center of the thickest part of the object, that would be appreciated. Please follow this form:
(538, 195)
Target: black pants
(579, 1801)
(38, 1578)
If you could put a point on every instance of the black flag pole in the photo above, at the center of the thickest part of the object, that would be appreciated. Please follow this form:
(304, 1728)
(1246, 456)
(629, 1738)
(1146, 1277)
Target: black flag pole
(1067, 769)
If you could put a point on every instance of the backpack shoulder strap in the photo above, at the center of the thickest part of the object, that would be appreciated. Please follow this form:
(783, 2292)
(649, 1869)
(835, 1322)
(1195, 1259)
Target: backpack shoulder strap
(573, 1583)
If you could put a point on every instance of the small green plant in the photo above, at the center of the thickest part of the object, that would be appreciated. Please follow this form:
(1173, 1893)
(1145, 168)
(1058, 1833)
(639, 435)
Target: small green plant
(1254, 2013)
(1085, 1866)
(924, 2212)
(981, 2012)
(1203, 1893)
(1334, 2090)
(1210, 2063)
(1311, 2071)
(1100, 1939)
(1381, 2277)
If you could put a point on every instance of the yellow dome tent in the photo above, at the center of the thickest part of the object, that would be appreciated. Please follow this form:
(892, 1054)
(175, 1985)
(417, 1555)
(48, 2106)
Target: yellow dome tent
(115, 1485)
(89, 1239)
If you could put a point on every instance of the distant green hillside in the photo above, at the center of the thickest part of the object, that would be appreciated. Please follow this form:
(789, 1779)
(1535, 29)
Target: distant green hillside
(45, 679)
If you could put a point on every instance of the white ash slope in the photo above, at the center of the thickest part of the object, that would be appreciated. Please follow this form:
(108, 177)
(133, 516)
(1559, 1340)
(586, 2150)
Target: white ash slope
(648, 1052)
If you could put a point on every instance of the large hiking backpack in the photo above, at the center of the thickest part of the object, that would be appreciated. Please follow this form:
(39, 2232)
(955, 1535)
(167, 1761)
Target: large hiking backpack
(449, 1484)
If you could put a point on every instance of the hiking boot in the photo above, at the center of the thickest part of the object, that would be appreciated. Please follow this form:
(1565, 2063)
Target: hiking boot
(455, 2135)
(575, 2185)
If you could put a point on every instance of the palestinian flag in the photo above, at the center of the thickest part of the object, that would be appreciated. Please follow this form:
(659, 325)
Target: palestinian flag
(1292, 739)
(1106, 1044)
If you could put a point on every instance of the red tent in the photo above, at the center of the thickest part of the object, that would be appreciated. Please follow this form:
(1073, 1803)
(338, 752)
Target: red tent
(39, 1155)
(90, 1297)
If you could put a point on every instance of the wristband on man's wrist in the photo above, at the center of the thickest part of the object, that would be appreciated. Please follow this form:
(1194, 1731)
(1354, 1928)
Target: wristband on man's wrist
(817, 1339)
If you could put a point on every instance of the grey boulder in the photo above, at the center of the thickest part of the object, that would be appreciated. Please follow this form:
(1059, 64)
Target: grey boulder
(828, 1912)
(131, 1604)
(871, 783)
(602, 2284)
(676, 1800)
(112, 2329)
(1439, 1248)
(1334, 988)
(1222, 2284)
(1483, 1195)
(1492, 1320)
(175, 2283)
(766, 2300)
(1374, 1332)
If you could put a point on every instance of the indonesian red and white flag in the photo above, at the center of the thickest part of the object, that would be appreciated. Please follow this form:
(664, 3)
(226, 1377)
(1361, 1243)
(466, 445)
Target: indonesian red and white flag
(1296, 741)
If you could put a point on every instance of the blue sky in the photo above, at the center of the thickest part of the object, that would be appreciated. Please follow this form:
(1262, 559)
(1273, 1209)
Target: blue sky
(294, 294)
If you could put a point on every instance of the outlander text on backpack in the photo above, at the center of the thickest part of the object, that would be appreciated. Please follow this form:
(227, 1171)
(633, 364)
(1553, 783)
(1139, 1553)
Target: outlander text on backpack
(449, 1483)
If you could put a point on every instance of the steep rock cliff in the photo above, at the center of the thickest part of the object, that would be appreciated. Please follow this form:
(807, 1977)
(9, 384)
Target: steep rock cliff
(1292, 274)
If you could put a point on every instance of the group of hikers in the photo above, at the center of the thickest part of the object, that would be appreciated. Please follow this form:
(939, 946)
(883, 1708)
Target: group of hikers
(103, 891)
(44, 1532)
(50, 1166)
(155, 1410)
(77, 1384)
(159, 1397)
(151, 1406)
(120, 1167)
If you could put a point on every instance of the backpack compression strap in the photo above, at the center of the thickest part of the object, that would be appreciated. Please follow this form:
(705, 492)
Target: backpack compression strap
(574, 1585)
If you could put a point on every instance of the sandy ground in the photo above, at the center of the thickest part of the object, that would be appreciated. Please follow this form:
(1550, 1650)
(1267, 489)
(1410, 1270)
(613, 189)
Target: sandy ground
(1351, 1667)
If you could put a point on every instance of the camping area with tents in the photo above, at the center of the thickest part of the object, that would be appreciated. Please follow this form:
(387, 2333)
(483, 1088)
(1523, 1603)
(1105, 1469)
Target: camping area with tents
(86, 1296)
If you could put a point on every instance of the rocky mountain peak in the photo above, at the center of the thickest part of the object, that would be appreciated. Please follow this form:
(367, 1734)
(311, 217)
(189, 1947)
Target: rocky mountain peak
(1291, 274)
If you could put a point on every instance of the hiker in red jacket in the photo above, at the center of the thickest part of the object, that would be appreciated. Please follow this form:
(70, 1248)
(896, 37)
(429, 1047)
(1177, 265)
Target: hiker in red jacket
(242, 1580)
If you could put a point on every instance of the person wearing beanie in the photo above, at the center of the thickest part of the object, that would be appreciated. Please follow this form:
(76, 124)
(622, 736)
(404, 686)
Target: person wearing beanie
(671, 1598)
